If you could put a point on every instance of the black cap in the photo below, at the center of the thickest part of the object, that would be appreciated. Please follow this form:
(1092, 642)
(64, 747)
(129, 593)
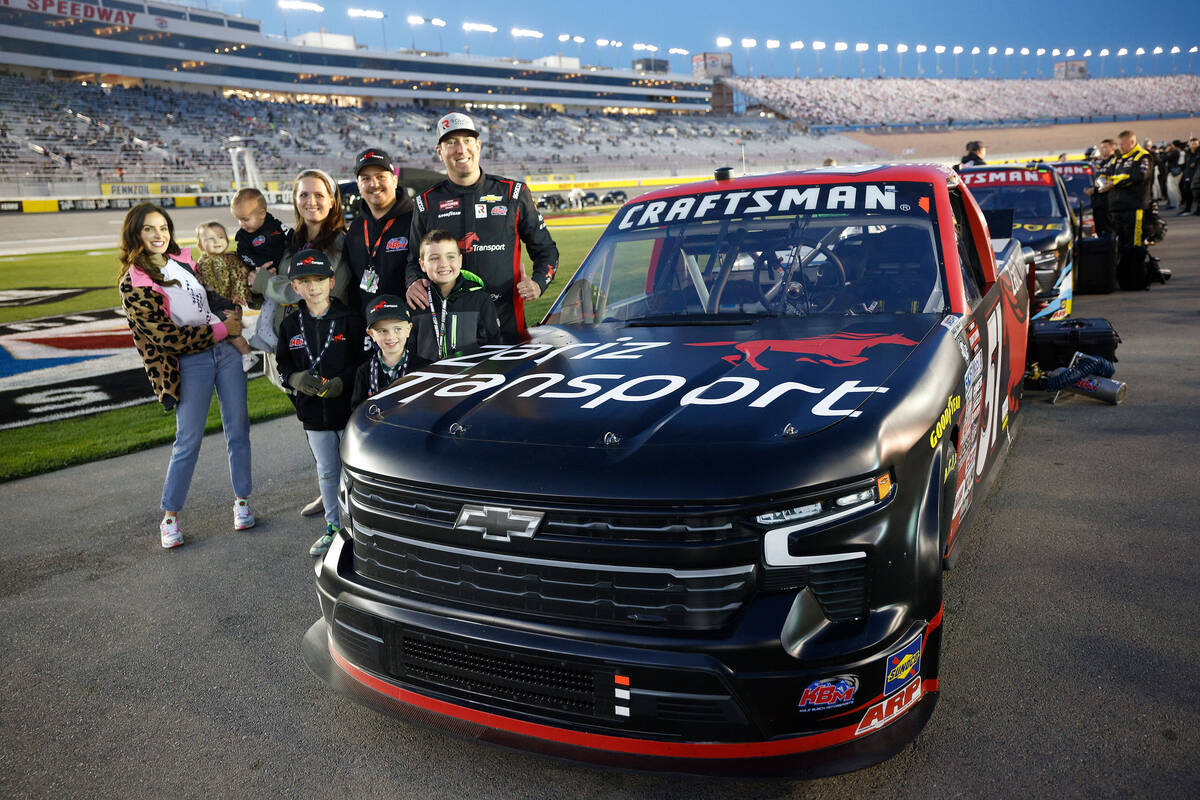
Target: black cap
(974, 145)
(387, 306)
(372, 156)
(309, 262)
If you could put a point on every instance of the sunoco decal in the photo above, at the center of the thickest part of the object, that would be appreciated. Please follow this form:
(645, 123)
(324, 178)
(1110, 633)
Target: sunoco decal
(903, 665)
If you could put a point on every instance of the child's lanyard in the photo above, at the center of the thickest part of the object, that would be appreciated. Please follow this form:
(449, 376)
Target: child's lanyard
(439, 326)
(391, 373)
(314, 363)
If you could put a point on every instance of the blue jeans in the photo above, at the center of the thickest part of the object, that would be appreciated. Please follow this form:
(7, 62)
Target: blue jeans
(219, 367)
(326, 448)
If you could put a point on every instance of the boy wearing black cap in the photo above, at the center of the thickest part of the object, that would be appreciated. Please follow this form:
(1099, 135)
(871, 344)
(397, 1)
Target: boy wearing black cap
(388, 324)
(376, 244)
(319, 350)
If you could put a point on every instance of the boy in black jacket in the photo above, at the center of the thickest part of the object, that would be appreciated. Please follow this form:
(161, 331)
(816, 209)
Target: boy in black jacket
(388, 324)
(460, 315)
(319, 350)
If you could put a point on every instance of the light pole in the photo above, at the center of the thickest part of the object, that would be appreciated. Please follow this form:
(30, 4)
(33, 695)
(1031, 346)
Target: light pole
(413, 21)
(957, 51)
(482, 27)
(991, 52)
(901, 49)
(1041, 51)
(748, 44)
(920, 49)
(439, 24)
(368, 13)
(1191, 54)
(817, 47)
(839, 48)
(772, 46)
(679, 51)
(296, 5)
(523, 33)
(1103, 55)
(881, 48)
(974, 52)
(1157, 52)
(938, 49)
(1124, 51)
(1008, 51)
(796, 47)
(1174, 52)
(860, 48)
(1024, 63)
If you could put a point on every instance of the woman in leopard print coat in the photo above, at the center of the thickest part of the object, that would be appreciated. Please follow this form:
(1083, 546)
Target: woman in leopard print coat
(185, 349)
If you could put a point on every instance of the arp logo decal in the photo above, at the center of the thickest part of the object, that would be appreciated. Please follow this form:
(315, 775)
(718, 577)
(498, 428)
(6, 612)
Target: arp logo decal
(839, 350)
(903, 665)
(399, 243)
(890, 709)
(827, 693)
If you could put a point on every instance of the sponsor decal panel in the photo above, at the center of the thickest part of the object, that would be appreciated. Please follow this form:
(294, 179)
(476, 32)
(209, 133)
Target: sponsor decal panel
(499, 211)
(827, 693)
(490, 198)
(903, 665)
(448, 205)
(953, 404)
(839, 350)
(890, 709)
(258, 241)
(396, 244)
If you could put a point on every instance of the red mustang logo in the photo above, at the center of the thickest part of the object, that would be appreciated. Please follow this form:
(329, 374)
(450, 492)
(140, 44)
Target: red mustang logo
(837, 350)
(467, 243)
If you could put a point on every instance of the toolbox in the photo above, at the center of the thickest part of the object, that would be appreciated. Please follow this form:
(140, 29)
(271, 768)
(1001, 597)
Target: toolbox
(1053, 342)
(1096, 265)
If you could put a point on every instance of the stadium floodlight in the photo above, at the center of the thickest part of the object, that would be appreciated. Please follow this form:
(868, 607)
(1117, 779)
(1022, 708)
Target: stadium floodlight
(724, 41)
(1124, 51)
(797, 45)
(819, 45)
(602, 43)
(958, 50)
(1041, 51)
(564, 37)
(526, 33)
(366, 13)
(922, 48)
(1071, 52)
(1175, 50)
(772, 44)
(1192, 50)
(413, 19)
(1024, 51)
(578, 39)
(1104, 53)
(297, 5)
(976, 50)
(437, 23)
(881, 47)
(1087, 53)
(1055, 52)
(1008, 51)
(745, 43)
(679, 51)
(992, 51)
(840, 46)
(479, 27)
(939, 49)
(1157, 51)
(1141, 51)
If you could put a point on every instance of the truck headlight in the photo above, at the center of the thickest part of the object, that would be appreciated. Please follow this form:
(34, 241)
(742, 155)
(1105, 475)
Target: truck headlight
(836, 503)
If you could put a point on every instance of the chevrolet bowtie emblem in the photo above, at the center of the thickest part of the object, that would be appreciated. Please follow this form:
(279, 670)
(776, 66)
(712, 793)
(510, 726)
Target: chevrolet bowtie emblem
(499, 523)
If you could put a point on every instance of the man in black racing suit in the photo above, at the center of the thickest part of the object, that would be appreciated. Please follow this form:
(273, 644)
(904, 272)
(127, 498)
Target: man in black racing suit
(491, 216)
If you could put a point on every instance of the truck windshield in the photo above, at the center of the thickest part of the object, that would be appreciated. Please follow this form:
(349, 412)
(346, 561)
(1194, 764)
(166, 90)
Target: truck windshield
(787, 251)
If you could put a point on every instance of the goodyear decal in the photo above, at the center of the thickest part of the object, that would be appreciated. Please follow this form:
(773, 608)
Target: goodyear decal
(953, 404)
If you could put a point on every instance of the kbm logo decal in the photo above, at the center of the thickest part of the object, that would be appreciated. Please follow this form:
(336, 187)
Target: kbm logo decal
(258, 241)
(399, 243)
(296, 343)
(828, 693)
(902, 665)
(839, 350)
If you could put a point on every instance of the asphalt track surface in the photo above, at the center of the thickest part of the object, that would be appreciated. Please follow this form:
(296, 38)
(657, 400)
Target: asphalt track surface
(1069, 663)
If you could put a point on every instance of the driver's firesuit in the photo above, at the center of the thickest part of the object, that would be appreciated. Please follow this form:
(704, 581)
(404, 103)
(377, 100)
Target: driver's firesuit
(490, 219)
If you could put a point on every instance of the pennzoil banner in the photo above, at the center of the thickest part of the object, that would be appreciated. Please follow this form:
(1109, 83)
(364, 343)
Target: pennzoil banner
(147, 189)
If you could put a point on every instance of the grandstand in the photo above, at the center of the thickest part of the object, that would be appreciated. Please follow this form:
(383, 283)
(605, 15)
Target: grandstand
(64, 132)
(858, 103)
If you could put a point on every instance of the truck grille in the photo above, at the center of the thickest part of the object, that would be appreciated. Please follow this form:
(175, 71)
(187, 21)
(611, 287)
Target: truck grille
(655, 596)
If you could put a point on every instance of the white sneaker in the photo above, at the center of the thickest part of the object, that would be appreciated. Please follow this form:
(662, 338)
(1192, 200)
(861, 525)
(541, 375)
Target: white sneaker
(315, 507)
(169, 531)
(243, 517)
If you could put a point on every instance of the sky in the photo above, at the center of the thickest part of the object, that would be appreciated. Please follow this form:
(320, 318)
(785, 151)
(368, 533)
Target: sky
(695, 25)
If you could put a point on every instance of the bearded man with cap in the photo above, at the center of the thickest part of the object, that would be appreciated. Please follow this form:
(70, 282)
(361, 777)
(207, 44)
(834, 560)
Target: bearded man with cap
(491, 217)
(377, 243)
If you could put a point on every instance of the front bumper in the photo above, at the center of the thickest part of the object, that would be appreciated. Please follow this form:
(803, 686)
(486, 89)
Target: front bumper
(732, 707)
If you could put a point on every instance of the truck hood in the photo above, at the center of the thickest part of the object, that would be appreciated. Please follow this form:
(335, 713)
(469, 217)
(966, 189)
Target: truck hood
(631, 386)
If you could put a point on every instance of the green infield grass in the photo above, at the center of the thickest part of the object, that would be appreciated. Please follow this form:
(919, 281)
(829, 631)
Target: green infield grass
(49, 446)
